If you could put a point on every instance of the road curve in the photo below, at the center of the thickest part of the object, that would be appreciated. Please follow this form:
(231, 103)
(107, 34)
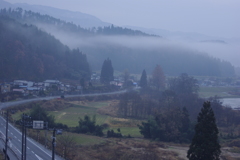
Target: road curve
(13, 103)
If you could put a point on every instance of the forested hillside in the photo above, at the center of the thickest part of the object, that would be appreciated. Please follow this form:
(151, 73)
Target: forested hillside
(128, 49)
(29, 53)
(174, 61)
(36, 18)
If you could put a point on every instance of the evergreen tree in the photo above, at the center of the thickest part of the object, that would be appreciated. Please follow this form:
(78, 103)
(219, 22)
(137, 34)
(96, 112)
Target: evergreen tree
(143, 80)
(107, 72)
(88, 125)
(205, 145)
(39, 113)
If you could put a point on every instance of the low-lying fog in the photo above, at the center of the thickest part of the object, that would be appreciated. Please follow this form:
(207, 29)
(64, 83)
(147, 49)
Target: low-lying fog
(226, 50)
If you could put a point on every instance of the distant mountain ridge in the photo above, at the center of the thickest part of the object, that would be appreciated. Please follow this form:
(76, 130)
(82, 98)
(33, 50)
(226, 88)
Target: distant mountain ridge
(126, 52)
(187, 36)
(90, 21)
(45, 22)
(82, 19)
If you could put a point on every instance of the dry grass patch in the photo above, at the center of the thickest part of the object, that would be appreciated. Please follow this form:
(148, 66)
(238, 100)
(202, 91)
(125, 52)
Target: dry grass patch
(123, 122)
(49, 105)
(127, 149)
(56, 105)
(83, 103)
(111, 109)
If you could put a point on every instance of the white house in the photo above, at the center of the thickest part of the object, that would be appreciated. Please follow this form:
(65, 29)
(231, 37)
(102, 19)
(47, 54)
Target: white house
(23, 83)
(51, 82)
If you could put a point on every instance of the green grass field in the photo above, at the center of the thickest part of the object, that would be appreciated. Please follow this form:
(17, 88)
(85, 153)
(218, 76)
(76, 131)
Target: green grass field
(70, 116)
(222, 92)
(133, 131)
(84, 139)
(17, 115)
(80, 139)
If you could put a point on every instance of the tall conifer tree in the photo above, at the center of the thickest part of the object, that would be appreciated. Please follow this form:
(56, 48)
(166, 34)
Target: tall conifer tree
(107, 72)
(205, 145)
(143, 80)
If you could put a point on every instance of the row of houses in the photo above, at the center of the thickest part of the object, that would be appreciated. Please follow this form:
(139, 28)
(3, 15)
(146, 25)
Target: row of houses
(28, 87)
(118, 80)
(219, 82)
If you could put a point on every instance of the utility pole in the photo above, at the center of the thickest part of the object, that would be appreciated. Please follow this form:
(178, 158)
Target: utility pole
(53, 144)
(25, 140)
(6, 142)
(23, 136)
(46, 134)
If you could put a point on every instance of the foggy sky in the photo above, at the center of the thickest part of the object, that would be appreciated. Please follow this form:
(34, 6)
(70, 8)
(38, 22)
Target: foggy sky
(211, 17)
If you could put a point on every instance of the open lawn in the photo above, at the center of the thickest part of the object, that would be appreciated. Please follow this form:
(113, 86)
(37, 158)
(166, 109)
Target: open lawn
(222, 92)
(83, 139)
(132, 131)
(70, 116)
(18, 114)
(80, 139)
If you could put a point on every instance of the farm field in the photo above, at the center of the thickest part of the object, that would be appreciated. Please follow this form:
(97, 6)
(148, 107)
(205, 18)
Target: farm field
(97, 147)
(83, 139)
(79, 139)
(222, 92)
(133, 131)
(70, 116)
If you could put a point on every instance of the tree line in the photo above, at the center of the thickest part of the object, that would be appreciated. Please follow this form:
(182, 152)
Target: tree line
(31, 17)
(173, 61)
(29, 53)
(171, 109)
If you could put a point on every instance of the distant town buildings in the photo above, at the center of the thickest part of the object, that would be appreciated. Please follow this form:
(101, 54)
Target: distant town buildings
(56, 87)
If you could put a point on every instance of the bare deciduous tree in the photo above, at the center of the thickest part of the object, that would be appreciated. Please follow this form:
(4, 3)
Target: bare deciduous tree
(66, 146)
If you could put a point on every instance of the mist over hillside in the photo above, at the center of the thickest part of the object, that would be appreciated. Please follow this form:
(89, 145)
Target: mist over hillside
(29, 53)
(220, 47)
(128, 49)
(227, 52)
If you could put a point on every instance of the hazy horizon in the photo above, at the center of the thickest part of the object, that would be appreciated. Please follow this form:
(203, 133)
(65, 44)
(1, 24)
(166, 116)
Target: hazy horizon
(212, 18)
(217, 18)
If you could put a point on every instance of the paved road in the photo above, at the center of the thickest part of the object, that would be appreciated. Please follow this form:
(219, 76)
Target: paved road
(35, 151)
(8, 104)
(11, 154)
